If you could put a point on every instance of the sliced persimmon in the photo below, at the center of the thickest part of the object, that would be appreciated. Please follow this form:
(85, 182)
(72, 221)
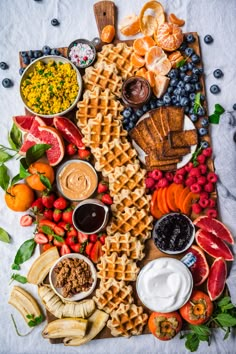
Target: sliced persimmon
(141, 72)
(150, 76)
(160, 201)
(164, 200)
(168, 36)
(188, 201)
(155, 211)
(141, 45)
(182, 197)
(137, 60)
(157, 61)
(177, 192)
(170, 197)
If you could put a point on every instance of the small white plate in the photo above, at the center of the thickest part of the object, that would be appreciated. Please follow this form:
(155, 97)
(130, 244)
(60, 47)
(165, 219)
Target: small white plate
(188, 125)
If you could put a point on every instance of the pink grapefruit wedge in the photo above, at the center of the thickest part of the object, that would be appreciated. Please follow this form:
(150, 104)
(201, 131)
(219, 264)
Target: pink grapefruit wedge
(214, 226)
(33, 136)
(216, 279)
(69, 131)
(200, 268)
(50, 135)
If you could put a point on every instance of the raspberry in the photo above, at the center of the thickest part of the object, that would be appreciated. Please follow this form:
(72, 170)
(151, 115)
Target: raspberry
(169, 176)
(212, 213)
(204, 203)
(202, 180)
(204, 195)
(189, 166)
(212, 203)
(149, 174)
(195, 188)
(203, 169)
(178, 179)
(209, 187)
(201, 158)
(181, 171)
(207, 152)
(190, 180)
(149, 182)
(196, 208)
(212, 177)
(156, 174)
(195, 172)
(162, 183)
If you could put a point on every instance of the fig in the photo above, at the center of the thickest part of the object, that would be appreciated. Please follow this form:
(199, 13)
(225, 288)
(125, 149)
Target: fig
(214, 226)
(216, 279)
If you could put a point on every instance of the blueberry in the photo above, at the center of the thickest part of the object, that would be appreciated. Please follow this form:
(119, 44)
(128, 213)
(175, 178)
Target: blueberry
(182, 75)
(131, 125)
(139, 113)
(166, 98)
(46, 50)
(7, 83)
(187, 78)
(186, 109)
(170, 89)
(195, 59)
(26, 60)
(54, 51)
(194, 78)
(125, 121)
(160, 103)
(37, 54)
(30, 53)
(189, 52)
(184, 101)
(208, 39)
(133, 118)
(173, 82)
(191, 111)
(32, 59)
(173, 74)
(183, 93)
(193, 117)
(189, 88)
(183, 46)
(180, 84)
(153, 103)
(127, 112)
(3, 65)
(234, 107)
(214, 89)
(190, 66)
(190, 38)
(204, 144)
(184, 68)
(23, 54)
(200, 111)
(198, 86)
(202, 131)
(55, 22)
(145, 108)
(204, 122)
(21, 70)
(196, 71)
(218, 73)
(173, 99)
(178, 97)
(202, 97)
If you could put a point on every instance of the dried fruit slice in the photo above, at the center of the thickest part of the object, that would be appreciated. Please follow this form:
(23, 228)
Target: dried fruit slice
(129, 25)
(200, 268)
(157, 61)
(217, 278)
(137, 60)
(69, 131)
(168, 36)
(49, 135)
(213, 245)
(141, 45)
(161, 84)
(149, 23)
(214, 226)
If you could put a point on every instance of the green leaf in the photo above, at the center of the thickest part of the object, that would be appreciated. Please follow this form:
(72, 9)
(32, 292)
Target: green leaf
(227, 307)
(214, 118)
(192, 342)
(45, 181)
(4, 237)
(15, 266)
(36, 152)
(224, 301)
(15, 138)
(58, 238)
(181, 63)
(4, 156)
(23, 168)
(20, 278)
(4, 177)
(34, 321)
(219, 109)
(226, 320)
(25, 251)
(16, 179)
(227, 333)
(46, 230)
(197, 102)
(200, 329)
(29, 316)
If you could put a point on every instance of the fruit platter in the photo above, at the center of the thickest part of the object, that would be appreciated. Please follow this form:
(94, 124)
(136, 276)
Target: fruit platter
(116, 175)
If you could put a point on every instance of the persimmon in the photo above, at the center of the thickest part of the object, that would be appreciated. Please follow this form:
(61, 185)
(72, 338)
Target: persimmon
(19, 197)
(165, 326)
(108, 34)
(170, 197)
(188, 201)
(155, 211)
(36, 169)
(182, 197)
(177, 191)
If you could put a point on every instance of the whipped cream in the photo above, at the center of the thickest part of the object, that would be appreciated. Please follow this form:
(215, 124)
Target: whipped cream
(164, 285)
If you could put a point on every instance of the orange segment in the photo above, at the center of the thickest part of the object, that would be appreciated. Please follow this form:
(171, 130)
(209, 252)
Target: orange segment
(108, 34)
(137, 60)
(141, 45)
(161, 84)
(129, 25)
(150, 76)
(157, 61)
(169, 36)
(141, 72)
(177, 21)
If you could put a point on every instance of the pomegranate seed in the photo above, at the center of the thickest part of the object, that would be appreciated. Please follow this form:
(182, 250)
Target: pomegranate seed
(212, 203)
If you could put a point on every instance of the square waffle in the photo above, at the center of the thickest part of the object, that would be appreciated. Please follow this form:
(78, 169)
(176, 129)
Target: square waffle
(103, 76)
(97, 101)
(119, 54)
(128, 177)
(112, 155)
(102, 129)
(115, 267)
(137, 222)
(127, 320)
(127, 198)
(124, 244)
(111, 294)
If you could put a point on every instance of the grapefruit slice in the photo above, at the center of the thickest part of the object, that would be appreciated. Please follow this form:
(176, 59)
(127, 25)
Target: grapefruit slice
(161, 84)
(169, 36)
(141, 45)
(33, 137)
(217, 278)
(214, 226)
(69, 131)
(213, 245)
(200, 269)
(23, 122)
(50, 135)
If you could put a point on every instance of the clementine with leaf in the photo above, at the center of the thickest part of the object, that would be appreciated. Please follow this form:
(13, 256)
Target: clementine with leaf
(36, 169)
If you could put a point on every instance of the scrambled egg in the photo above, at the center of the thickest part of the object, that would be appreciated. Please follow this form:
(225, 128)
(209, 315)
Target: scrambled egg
(50, 88)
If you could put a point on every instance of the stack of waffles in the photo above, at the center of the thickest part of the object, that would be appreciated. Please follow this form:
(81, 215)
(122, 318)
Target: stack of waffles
(99, 118)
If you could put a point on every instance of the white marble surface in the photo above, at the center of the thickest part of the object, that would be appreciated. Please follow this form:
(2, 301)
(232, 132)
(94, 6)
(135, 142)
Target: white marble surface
(25, 24)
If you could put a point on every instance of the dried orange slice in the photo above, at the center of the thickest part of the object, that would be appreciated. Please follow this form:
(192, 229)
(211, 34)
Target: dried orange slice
(150, 76)
(157, 61)
(177, 21)
(150, 21)
(108, 33)
(141, 72)
(141, 45)
(161, 84)
(168, 36)
(129, 25)
(137, 60)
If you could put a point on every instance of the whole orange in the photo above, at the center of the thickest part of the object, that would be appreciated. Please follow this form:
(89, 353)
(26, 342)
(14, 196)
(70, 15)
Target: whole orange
(19, 197)
(36, 169)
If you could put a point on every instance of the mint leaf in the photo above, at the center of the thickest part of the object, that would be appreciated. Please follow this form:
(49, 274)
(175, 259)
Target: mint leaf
(35, 320)
(227, 333)
(35, 152)
(15, 138)
(200, 329)
(219, 109)
(192, 342)
(15, 266)
(16, 179)
(197, 102)
(4, 237)
(45, 181)
(25, 251)
(46, 230)
(181, 63)
(58, 238)
(4, 177)
(226, 320)
(20, 278)
(224, 301)
(214, 118)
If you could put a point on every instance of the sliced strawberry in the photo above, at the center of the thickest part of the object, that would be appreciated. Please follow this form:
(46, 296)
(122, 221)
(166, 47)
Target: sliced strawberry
(59, 231)
(88, 248)
(65, 249)
(76, 247)
(93, 238)
(66, 226)
(46, 247)
(102, 239)
(26, 220)
(71, 240)
(96, 252)
(40, 238)
(47, 223)
(60, 203)
(67, 215)
(72, 232)
(58, 243)
(82, 237)
(84, 154)
(57, 214)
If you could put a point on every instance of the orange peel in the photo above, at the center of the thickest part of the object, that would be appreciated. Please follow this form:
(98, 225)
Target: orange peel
(149, 23)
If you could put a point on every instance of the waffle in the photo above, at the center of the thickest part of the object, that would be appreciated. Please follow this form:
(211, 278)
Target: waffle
(111, 294)
(127, 198)
(127, 320)
(137, 222)
(124, 244)
(121, 56)
(102, 129)
(112, 155)
(115, 267)
(97, 101)
(103, 76)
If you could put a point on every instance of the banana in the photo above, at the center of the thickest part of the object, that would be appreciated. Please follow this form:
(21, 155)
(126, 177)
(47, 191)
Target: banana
(24, 302)
(59, 309)
(73, 327)
(41, 266)
(96, 322)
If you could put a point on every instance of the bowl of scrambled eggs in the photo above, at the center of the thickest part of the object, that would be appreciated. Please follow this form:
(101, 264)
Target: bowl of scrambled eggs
(50, 86)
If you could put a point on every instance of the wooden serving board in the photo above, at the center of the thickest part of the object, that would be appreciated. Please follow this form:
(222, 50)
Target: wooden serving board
(105, 13)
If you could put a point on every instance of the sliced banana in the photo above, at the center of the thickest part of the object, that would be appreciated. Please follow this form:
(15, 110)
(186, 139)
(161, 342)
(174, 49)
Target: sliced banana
(73, 327)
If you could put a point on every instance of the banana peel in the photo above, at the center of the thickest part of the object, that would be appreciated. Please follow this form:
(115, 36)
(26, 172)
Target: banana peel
(73, 327)
(24, 302)
(41, 266)
(96, 322)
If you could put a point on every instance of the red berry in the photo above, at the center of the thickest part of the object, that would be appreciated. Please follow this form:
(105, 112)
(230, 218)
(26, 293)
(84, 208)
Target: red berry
(212, 213)
(181, 171)
(169, 176)
(156, 174)
(196, 208)
(60, 203)
(48, 200)
(65, 249)
(162, 183)
(106, 199)
(195, 188)
(37, 206)
(67, 215)
(202, 180)
(195, 172)
(209, 187)
(190, 180)
(178, 179)
(204, 202)
(203, 169)
(102, 187)
(149, 182)
(40, 238)
(48, 213)
(212, 203)
(93, 238)
(189, 166)
(201, 158)
(207, 152)
(204, 195)
(57, 214)
(26, 220)
(84, 154)
(102, 238)
(71, 149)
(212, 177)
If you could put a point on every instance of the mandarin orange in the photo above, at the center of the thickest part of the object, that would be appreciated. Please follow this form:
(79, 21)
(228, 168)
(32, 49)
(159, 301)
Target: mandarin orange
(141, 45)
(169, 36)
(157, 61)
(19, 197)
(137, 60)
(108, 34)
(129, 25)
(36, 169)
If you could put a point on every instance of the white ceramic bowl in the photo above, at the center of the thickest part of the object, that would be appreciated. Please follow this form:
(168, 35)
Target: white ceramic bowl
(81, 295)
(46, 59)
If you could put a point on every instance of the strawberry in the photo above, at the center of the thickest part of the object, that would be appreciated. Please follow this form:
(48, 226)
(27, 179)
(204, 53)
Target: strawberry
(60, 203)
(59, 231)
(88, 248)
(201, 159)
(37, 206)
(72, 232)
(57, 214)
(67, 215)
(106, 199)
(162, 183)
(64, 225)
(156, 174)
(40, 238)
(82, 237)
(207, 152)
(149, 182)
(102, 187)
(71, 240)
(178, 179)
(102, 238)
(76, 247)
(26, 220)
(211, 213)
(48, 214)
(96, 252)
(196, 208)
(65, 249)
(195, 188)
(46, 247)
(84, 154)
(93, 238)
(58, 243)
(71, 149)
(209, 187)
(212, 177)
(46, 222)
(48, 200)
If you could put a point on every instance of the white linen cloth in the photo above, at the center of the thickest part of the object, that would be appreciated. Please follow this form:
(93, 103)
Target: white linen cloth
(24, 25)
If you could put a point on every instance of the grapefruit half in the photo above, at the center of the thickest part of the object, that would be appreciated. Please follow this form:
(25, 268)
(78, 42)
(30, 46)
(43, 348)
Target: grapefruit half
(49, 135)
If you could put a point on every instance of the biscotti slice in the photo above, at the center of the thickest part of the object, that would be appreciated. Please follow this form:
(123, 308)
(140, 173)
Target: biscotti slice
(164, 121)
(135, 134)
(183, 139)
(175, 118)
(168, 151)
